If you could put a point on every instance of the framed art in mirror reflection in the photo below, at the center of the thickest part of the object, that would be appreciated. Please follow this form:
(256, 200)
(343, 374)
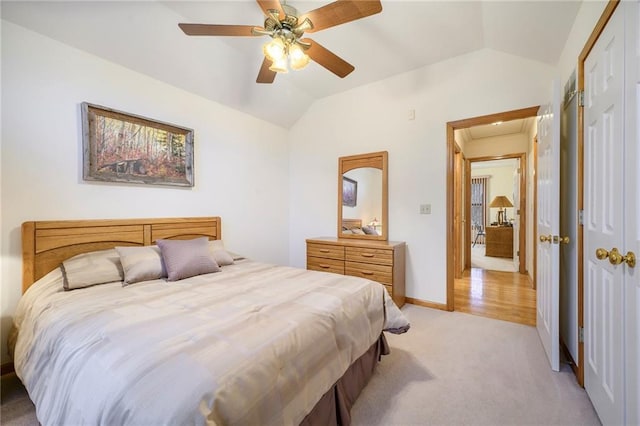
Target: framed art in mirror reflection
(349, 192)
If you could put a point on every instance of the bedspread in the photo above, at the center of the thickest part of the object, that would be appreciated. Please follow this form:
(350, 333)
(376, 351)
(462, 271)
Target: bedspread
(253, 344)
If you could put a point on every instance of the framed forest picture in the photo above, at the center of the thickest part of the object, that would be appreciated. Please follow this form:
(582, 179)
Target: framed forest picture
(122, 147)
(349, 192)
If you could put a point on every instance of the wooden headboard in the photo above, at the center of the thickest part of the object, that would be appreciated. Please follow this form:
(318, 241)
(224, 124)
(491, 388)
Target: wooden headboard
(46, 244)
(351, 223)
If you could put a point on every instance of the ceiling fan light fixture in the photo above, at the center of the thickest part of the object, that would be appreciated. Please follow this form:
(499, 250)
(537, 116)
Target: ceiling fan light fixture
(297, 58)
(275, 50)
(280, 65)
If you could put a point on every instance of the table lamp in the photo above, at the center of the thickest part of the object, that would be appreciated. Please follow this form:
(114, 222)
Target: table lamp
(502, 203)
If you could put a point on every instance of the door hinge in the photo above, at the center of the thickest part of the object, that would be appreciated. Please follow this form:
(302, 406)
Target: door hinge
(581, 334)
(518, 253)
(580, 217)
(581, 98)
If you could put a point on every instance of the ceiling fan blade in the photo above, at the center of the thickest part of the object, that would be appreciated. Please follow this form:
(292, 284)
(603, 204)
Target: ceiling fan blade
(340, 12)
(266, 76)
(218, 30)
(328, 59)
(267, 5)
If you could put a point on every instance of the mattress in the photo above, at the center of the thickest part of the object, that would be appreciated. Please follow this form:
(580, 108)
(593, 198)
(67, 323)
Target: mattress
(253, 344)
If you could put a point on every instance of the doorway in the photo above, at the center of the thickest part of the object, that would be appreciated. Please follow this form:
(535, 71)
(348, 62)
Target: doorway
(477, 286)
(497, 204)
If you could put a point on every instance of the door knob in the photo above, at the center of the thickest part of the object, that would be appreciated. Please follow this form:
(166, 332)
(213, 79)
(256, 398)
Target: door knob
(616, 258)
(564, 240)
(545, 238)
(602, 253)
(630, 258)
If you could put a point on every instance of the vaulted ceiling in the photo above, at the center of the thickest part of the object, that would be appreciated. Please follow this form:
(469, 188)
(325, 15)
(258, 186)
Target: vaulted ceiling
(406, 35)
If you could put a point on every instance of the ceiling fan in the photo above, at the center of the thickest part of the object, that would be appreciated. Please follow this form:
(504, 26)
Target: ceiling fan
(285, 27)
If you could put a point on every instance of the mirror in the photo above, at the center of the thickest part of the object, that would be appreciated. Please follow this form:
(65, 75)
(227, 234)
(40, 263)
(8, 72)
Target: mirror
(362, 196)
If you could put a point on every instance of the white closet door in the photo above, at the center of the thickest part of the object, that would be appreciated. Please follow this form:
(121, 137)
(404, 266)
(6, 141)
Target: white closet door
(548, 260)
(603, 221)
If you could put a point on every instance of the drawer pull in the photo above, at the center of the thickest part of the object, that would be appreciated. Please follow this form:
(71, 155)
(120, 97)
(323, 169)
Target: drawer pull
(367, 255)
(366, 272)
(324, 266)
(324, 250)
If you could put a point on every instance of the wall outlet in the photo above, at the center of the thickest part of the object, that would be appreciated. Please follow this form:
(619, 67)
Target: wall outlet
(425, 208)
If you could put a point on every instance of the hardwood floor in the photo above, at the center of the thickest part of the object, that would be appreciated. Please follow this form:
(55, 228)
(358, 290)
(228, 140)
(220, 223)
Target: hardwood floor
(506, 296)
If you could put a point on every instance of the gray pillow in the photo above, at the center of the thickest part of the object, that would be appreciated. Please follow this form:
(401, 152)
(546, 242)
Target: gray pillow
(221, 256)
(87, 269)
(141, 263)
(369, 230)
(187, 258)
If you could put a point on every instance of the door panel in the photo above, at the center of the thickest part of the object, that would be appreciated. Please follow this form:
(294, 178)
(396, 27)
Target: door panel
(631, 283)
(516, 217)
(548, 265)
(604, 227)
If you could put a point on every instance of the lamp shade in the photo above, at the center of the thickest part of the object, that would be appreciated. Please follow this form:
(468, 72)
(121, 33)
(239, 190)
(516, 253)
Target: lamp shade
(501, 201)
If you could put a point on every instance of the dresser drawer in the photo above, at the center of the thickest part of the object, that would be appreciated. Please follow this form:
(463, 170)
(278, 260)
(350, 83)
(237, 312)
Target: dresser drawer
(380, 273)
(369, 255)
(325, 251)
(326, 265)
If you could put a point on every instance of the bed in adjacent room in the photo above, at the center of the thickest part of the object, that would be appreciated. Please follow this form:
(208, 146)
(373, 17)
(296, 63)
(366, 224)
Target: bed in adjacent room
(130, 322)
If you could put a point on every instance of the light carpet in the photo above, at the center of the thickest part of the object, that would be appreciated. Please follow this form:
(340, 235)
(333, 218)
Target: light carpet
(479, 260)
(451, 368)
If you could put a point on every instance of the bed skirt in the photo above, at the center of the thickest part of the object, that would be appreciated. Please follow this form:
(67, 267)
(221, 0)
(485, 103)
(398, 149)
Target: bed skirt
(334, 408)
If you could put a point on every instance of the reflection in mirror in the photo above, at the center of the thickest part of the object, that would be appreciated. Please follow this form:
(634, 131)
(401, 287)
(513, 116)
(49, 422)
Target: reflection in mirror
(362, 196)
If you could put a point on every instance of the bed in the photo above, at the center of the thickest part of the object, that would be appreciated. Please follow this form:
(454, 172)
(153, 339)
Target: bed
(354, 226)
(253, 343)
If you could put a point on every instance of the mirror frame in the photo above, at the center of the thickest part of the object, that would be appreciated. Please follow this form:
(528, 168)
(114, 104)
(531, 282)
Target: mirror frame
(377, 160)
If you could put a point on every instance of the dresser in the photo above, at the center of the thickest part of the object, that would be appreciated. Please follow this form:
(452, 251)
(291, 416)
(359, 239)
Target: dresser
(499, 240)
(381, 261)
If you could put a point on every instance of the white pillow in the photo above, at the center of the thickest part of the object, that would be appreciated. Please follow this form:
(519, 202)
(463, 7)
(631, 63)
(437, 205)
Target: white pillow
(222, 257)
(87, 269)
(141, 263)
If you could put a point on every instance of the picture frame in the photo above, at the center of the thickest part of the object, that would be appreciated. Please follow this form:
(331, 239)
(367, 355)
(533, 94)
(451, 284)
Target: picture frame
(349, 192)
(123, 147)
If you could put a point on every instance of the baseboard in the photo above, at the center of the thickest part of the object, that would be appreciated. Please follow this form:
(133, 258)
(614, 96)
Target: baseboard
(570, 360)
(6, 368)
(426, 303)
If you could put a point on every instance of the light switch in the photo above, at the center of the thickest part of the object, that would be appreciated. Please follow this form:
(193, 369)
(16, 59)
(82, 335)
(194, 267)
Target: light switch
(425, 208)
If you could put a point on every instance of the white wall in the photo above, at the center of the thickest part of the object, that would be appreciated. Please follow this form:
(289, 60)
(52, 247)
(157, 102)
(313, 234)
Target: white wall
(586, 19)
(241, 163)
(374, 118)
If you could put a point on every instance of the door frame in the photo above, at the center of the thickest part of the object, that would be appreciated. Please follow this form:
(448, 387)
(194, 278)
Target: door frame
(591, 41)
(522, 248)
(461, 236)
(452, 126)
